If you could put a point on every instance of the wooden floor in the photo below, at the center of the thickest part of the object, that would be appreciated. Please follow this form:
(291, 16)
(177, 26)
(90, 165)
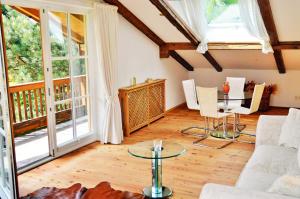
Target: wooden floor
(186, 174)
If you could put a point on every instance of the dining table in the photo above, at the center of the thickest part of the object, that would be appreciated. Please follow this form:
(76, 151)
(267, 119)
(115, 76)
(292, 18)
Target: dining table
(224, 97)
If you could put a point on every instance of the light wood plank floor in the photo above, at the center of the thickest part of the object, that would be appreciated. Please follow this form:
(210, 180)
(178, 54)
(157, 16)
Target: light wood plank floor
(186, 174)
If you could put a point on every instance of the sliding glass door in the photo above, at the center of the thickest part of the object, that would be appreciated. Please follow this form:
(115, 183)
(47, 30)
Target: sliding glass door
(26, 83)
(8, 185)
(67, 36)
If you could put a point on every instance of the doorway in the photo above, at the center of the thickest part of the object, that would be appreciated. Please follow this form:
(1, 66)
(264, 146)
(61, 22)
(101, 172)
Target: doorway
(26, 83)
(48, 82)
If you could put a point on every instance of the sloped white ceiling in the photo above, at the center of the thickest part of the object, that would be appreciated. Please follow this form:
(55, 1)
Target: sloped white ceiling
(287, 20)
(151, 16)
(194, 58)
(244, 59)
(291, 59)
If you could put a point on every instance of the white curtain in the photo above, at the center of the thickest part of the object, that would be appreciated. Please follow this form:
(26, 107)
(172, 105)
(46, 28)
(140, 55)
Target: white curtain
(194, 14)
(108, 117)
(251, 16)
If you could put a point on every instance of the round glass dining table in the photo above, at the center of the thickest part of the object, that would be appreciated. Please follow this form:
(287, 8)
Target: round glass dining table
(146, 150)
(222, 97)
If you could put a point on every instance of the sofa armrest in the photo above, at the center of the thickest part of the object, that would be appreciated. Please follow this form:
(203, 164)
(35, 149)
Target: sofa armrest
(216, 191)
(268, 129)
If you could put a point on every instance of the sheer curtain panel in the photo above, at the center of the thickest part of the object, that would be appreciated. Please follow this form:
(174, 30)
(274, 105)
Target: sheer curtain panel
(251, 16)
(194, 13)
(108, 111)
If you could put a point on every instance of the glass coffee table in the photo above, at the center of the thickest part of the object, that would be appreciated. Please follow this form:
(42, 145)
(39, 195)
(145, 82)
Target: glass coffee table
(146, 150)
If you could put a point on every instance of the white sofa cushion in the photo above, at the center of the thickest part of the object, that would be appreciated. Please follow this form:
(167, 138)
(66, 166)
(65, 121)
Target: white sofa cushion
(268, 129)
(255, 180)
(286, 185)
(290, 131)
(267, 164)
(216, 191)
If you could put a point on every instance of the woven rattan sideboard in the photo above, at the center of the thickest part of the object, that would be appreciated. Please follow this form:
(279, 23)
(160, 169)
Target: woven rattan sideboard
(142, 104)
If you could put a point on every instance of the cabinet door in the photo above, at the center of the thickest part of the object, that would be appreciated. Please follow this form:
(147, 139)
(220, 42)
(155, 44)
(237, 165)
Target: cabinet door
(156, 96)
(138, 108)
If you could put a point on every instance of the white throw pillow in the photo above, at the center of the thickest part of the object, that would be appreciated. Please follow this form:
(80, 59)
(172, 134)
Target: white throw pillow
(286, 185)
(290, 131)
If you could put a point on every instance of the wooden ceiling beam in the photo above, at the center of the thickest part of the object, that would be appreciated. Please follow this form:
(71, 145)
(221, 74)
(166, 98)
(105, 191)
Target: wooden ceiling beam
(179, 59)
(136, 22)
(213, 46)
(287, 45)
(284, 45)
(171, 16)
(266, 12)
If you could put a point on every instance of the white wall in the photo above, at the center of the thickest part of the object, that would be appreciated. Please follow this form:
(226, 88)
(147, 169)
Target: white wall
(288, 85)
(139, 57)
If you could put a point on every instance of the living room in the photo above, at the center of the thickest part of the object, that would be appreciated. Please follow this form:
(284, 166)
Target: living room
(150, 99)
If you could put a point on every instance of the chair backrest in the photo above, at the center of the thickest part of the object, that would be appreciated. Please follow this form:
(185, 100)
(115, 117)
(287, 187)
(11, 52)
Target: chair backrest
(236, 86)
(208, 101)
(189, 89)
(256, 98)
(236, 89)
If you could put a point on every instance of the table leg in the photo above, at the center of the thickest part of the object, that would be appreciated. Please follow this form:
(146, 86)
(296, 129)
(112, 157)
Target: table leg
(157, 190)
(156, 177)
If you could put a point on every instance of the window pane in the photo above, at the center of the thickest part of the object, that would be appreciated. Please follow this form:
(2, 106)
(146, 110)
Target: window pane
(64, 122)
(61, 80)
(4, 162)
(223, 11)
(78, 34)
(58, 33)
(82, 116)
(79, 77)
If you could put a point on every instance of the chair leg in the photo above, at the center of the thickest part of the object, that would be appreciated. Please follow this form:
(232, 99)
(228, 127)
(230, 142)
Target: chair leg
(205, 128)
(239, 131)
(197, 142)
(184, 131)
(206, 121)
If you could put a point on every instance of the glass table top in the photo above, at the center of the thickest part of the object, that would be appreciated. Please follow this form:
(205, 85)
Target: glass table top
(222, 96)
(145, 150)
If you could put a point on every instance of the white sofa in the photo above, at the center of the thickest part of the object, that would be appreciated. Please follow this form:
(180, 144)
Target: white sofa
(268, 162)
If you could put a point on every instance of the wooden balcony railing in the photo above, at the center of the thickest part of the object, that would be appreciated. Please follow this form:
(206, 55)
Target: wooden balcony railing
(29, 102)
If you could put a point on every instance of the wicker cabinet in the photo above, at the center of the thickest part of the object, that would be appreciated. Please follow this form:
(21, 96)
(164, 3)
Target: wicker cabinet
(142, 104)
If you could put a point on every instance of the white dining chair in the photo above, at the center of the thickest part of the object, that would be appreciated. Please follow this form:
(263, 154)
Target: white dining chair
(208, 101)
(236, 85)
(254, 106)
(189, 88)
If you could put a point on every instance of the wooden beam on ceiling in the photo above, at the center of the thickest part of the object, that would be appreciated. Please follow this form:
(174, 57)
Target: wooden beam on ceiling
(287, 45)
(266, 12)
(171, 16)
(136, 22)
(179, 59)
(212, 46)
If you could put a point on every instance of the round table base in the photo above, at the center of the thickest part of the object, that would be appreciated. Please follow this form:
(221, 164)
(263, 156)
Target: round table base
(166, 192)
(220, 134)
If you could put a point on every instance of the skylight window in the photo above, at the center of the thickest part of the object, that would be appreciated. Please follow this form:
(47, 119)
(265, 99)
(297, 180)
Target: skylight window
(223, 21)
(222, 12)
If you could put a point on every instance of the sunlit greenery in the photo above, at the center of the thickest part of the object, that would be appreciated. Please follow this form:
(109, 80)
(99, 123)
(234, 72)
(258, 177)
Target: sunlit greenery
(24, 49)
(216, 7)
